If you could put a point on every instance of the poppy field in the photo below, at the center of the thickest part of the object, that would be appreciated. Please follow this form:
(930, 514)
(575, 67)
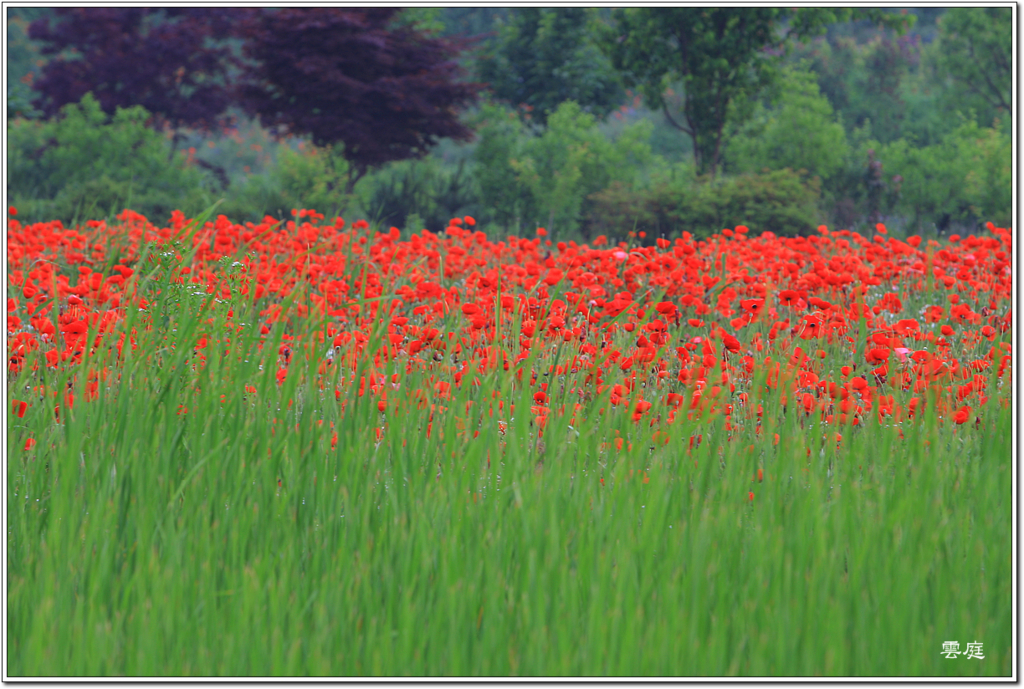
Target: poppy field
(314, 447)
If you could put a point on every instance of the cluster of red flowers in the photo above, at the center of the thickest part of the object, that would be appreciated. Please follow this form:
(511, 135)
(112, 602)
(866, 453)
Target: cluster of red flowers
(678, 328)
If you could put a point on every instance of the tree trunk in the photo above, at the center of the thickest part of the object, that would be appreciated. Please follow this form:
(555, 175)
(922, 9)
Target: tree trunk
(356, 173)
(174, 145)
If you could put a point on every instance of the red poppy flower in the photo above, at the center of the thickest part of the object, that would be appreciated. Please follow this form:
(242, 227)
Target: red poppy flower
(19, 408)
(789, 297)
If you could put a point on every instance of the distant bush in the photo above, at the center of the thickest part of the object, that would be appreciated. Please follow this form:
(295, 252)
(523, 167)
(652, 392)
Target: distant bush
(85, 165)
(313, 178)
(799, 131)
(419, 194)
(961, 182)
(499, 132)
(545, 177)
(780, 201)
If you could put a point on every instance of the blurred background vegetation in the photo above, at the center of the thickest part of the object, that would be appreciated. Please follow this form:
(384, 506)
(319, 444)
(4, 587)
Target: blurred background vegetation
(851, 123)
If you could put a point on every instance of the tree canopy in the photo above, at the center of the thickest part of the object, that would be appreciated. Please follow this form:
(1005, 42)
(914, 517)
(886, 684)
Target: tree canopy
(975, 53)
(546, 56)
(385, 91)
(168, 61)
(798, 132)
(722, 57)
(368, 79)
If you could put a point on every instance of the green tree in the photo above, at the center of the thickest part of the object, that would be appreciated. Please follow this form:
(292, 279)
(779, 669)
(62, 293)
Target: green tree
(973, 57)
(528, 179)
(470, 22)
(876, 81)
(23, 60)
(545, 56)
(964, 180)
(799, 131)
(572, 160)
(834, 61)
(880, 96)
(882, 84)
(499, 132)
(722, 57)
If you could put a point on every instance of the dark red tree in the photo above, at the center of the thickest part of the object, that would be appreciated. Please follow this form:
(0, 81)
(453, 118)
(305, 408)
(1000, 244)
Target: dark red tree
(385, 90)
(169, 61)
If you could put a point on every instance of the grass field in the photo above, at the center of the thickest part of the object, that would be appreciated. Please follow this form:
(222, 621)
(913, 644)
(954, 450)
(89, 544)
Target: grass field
(300, 448)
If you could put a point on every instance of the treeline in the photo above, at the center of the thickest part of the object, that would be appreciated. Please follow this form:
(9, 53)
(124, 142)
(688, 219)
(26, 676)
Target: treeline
(585, 121)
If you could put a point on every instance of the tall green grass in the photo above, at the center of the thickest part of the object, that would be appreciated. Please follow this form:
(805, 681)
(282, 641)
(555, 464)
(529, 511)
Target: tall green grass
(233, 540)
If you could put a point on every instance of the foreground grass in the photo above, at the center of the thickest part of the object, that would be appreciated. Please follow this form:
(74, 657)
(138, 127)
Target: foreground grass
(234, 539)
(147, 543)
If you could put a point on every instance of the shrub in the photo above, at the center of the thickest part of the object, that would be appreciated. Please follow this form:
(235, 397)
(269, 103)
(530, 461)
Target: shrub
(960, 182)
(779, 201)
(311, 178)
(572, 160)
(85, 164)
(620, 209)
(799, 131)
(546, 178)
(418, 194)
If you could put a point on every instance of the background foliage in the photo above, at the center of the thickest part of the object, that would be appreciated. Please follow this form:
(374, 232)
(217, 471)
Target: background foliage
(797, 129)
(543, 57)
(910, 129)
(778, 201)
(87, 165)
